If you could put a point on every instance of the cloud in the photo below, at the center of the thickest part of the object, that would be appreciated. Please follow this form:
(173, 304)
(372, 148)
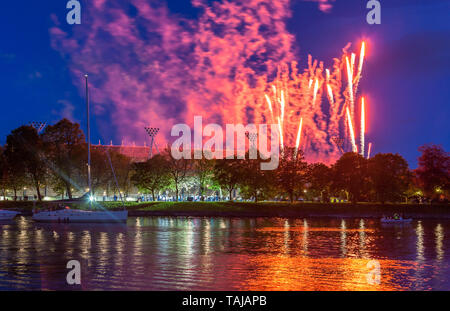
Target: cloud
(65, 110)
(148, 66)
(324, 5)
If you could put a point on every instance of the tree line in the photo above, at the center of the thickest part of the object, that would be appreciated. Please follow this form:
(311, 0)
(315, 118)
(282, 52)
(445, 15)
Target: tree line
(57, 158)
(385, 177)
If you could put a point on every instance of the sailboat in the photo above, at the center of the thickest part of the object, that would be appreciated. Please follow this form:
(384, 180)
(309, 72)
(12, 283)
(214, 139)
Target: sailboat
(83, 216)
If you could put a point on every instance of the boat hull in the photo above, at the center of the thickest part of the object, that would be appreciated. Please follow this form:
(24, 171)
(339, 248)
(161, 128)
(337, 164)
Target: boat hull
(78, 216)
(8, 215)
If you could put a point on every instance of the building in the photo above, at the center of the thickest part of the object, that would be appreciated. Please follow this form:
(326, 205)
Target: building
(135, 153)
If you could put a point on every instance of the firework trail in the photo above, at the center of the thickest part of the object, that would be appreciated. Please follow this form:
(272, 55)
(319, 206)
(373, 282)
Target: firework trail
(350, 86)
(352, 133)
(299, 135)
(269, 102)
(281, 135)
(360, 66)
(363, 127)
(370, 149)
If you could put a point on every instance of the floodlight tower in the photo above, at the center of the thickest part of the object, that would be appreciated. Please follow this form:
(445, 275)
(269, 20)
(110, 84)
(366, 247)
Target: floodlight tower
(152, 132)
(252, 149)
(39, 126)
(339, 143)
(252, 137)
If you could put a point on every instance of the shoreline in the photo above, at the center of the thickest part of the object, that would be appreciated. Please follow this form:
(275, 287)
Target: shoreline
(255, 210)
(281, 215)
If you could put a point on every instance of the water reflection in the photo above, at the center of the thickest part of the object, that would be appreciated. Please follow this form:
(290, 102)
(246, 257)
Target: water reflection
(162, 253)
(439, 232)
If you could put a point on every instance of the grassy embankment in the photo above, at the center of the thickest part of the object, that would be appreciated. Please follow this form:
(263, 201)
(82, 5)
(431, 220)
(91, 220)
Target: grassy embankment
(249, 209)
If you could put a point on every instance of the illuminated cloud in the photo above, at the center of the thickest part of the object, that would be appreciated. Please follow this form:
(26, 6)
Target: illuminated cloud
(324, 5)
(148, 66)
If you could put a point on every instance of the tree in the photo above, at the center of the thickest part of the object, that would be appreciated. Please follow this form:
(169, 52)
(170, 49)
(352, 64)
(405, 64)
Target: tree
(12, 174)
(350, 175)
(123, 170)
(227, 174)
(291, 172)
(25, 149)
(253, 181)
(433, 172)
(101, 175)
(3, 172)
(178, 170)
(319, 178)
(152, 175)
(390, 176)
(63, 143)
(203, 171)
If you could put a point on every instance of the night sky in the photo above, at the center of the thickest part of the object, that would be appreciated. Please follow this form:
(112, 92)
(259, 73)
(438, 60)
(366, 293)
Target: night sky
(406, 75)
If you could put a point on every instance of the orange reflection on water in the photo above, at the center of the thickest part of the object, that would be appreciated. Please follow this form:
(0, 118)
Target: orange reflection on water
(287, 273)
(302, 229)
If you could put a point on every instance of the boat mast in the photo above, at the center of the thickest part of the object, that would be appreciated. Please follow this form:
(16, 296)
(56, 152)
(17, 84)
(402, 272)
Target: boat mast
(88, 141)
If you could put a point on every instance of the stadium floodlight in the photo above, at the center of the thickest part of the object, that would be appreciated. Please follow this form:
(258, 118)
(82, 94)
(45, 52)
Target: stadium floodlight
(339, 143)
(152, 132)
(39, 126)
(252, 137)
(252, 149)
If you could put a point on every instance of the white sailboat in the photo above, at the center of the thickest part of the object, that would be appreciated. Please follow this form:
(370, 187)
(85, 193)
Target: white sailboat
(83, 216)
(8, 215)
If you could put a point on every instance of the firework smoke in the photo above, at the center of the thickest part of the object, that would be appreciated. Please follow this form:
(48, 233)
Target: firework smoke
(234, 63)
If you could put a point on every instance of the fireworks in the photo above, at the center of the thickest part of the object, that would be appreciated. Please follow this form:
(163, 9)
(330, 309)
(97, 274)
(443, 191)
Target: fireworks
(352, 133)
(370, 149)
(270, 105)
(299, 135)
(361, 58)
(280, 128)
(350, 86)
(294, 101)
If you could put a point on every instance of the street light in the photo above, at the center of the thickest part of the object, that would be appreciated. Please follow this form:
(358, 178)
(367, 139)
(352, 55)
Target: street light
(88, 139)
(152, 132)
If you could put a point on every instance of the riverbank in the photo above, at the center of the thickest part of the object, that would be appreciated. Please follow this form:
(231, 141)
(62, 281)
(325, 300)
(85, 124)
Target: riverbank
(261, 209)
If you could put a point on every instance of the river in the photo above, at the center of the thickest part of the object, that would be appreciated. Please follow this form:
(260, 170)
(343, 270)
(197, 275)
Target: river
(163, 253)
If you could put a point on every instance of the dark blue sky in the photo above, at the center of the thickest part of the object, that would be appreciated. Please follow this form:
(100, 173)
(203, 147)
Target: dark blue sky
(406, 79)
